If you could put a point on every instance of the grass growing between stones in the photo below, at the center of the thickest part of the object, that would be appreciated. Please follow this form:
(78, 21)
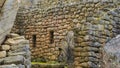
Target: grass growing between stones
(50, 64)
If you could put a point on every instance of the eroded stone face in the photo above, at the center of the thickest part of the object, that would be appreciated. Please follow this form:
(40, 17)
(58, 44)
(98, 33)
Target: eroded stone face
(15, 54)
(3, 54)
(9, 66)
(25, 3)
(5, 47)
(8, 14)
(112, 53)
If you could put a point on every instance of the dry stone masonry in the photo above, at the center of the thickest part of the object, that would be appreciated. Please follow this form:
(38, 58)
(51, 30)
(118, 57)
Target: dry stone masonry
(94, 23)
(15, 52)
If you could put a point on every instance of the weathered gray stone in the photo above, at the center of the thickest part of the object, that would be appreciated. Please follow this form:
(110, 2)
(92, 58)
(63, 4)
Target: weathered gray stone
(90, 19)
(112, 53)
(1, 61)
(5, 47)
(7, 18)
(19, 37)
(14, 60)
(116, 19)
(90, 0)
(20, 47)
(95, 44)
(12, 35)
(113, 13)
(11, 41)
(75, 20)
(92, 54)
(106, 17)
(23, 53)
(3, 54)
(27, 63)
(95, 1)
(21, 66)
(16, 53)
(92, 59)
(9, 66)
(87, 37)
(93, 49)
(92, 65)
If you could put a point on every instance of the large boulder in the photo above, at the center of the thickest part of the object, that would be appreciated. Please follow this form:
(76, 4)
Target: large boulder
(5, 47)
(8, 12)
(8, 15)
(111, 52)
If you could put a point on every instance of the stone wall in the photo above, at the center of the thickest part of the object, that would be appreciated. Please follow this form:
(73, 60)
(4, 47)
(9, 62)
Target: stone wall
(41, 27)
(88, 19)
(15, 52)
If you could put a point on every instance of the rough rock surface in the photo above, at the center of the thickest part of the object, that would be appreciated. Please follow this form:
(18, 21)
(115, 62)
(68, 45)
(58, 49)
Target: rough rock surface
(17, 54)
(5, 47)
(112, 53)
(8, 14)
(9, 66)
(2, 54)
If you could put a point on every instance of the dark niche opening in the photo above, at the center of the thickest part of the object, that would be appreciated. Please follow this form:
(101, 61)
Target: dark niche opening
(34, 40)
(51, 37)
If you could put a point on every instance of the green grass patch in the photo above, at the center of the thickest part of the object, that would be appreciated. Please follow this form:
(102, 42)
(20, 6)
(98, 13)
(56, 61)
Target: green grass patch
(50, 62)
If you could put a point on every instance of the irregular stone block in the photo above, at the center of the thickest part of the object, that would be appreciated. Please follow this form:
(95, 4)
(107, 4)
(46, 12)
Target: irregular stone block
(25, 54)
(19, 38)
(92, 59)
(11, 41)
(14, 60)
(3, 54)
(5, 47)
(20, 47)
(96, 44)
(27, 63)
(12, 35)
(92, 65)
(21, 66)
(1, 61)
(9, 66)
(16, 53)
(112, 53)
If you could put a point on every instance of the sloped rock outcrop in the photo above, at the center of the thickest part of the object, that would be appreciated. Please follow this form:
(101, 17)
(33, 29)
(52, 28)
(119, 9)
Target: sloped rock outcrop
(7, 16)
(8, 12)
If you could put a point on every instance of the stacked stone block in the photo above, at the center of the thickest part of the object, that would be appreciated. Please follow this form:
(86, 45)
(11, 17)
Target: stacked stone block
(15, 52)
(89, 19)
